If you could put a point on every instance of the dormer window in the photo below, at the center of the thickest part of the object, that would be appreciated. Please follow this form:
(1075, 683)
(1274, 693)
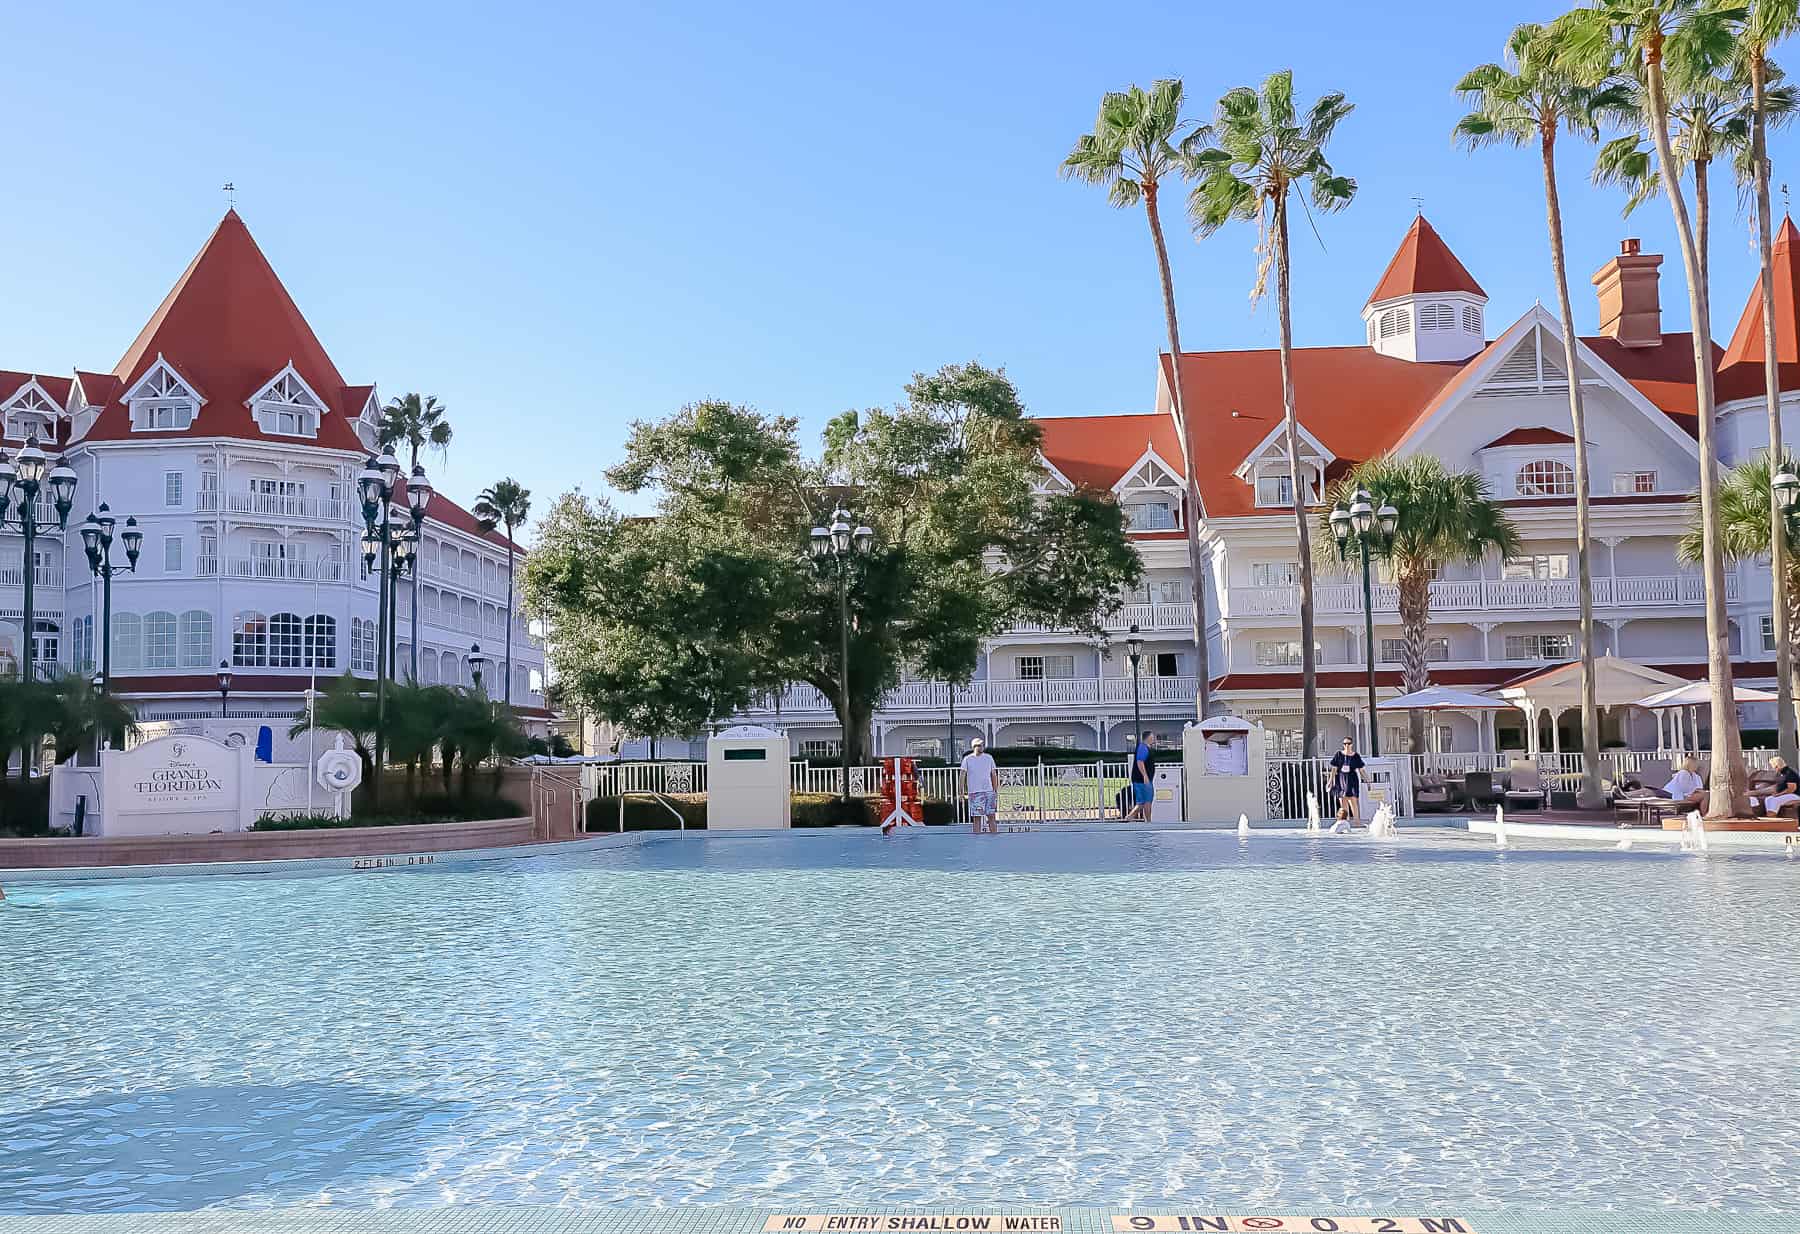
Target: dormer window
(1275, 489)
(161, 401)
(1159, 515)
(286, 407)
(31, 414)
(1545, 477)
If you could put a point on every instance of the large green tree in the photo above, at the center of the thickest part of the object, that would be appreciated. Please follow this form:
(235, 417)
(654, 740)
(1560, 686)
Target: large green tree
(1133, 148)
(1746, 531)
(667, 624)
(1247, 163)
(1529, 100)
(1446, 517)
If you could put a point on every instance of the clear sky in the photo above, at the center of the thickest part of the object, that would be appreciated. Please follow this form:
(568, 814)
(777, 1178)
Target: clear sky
(561, 218)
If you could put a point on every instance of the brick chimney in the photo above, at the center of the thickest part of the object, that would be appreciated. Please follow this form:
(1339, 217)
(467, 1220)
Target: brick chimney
(1630, 306)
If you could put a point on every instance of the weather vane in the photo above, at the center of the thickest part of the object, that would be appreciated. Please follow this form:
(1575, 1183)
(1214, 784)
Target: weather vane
(1784, 199)
(1418, 203)
(230, 191)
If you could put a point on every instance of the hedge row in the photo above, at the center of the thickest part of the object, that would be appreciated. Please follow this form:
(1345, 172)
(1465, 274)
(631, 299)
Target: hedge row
(646, 813)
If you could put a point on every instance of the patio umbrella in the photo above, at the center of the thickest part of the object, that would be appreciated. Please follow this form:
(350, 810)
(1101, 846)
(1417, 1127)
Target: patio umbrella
(1443, 698)
(1697, 694)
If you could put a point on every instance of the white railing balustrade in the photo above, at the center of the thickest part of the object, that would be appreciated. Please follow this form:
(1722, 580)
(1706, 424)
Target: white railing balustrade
(278, 505)
(41, 576)
(1478, 595)
(324, 569)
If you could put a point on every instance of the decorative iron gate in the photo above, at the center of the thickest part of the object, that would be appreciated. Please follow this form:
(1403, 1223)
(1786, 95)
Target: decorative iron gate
(1060, 792)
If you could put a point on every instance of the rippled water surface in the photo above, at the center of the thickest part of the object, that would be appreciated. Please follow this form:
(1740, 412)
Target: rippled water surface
(1079, 1018)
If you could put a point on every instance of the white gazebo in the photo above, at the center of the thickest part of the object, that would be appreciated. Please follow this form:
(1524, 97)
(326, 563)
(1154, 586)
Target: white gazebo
(1688, 698)
(1617, 683)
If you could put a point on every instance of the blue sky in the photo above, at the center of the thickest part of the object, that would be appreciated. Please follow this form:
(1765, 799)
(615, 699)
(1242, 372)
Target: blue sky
(561, 218)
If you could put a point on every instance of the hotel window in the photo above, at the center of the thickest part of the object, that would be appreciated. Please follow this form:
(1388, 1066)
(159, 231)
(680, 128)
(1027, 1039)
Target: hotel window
(171, 554)
(321, 641)
(1767, 624)
(1281, 654)
(46, 642)
(1537, 565)
(159, 640)
(81, 659)
(196, 638)
(1168, 664)
(171, 488)
(1545, 477)
(1049, 742)
(535, 681)
(250, 641)
(1274, 573)
(286, 639)
(1037, 668)
(819, 747)
(152, 417)
(362, 645)
(1393, 650)
(1540, 646)
(127, 641)
(1151, 516)
(1634, 482)
(924, 747)
(1274, 491)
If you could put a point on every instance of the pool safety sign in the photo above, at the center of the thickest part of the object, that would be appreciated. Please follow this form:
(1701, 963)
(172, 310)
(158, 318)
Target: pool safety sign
(1208, 1223)
(915, 1223)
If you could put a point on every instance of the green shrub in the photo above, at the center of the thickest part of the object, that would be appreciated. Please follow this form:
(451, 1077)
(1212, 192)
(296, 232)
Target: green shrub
(25, 807)
(645, 813)
(428, 809)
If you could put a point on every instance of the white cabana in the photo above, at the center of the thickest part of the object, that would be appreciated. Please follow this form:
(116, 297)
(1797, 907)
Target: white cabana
(1444, 698)
(1556, 690)
(1688, 699)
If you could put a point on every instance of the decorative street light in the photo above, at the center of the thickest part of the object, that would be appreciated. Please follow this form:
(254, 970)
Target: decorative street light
(387, 550)
(838, 545)
(97, 539)
(477, 662)
(1362, 522)
(21, 479)
(224, 688)
(418, 496)
(1134, 650)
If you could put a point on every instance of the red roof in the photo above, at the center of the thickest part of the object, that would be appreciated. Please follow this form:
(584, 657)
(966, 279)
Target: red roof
(1664, 375)
(440, 509)
(1741, 373)
(1530, 437)
(1094, 451)
(228, 326)
(99, 388)
(1424, 263)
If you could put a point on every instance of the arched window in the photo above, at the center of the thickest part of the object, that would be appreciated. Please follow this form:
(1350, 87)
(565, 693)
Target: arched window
(46, 642)
(449, 672)
(1471, 319)
(250, 641)
(160, 647)
(1437, 317)
(286, 640)
(196, 639)
(1395, 322)
(1545, 477)
(127, 641)
(362, 645)
(321, 641)
(428, 667)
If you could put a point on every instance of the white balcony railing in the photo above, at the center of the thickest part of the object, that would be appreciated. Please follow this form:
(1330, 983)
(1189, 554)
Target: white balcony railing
(1145, 616)
(41, 576)
(208, 566)
(1481, 595)
(274, 505)
(1049, 692)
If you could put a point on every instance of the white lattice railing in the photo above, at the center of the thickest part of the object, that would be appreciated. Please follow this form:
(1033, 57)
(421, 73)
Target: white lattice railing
(1479, 595)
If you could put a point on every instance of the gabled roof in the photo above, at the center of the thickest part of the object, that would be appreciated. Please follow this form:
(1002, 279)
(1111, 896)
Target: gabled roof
(1094, 451)
(1531, 437)
(56, 389)
(99, 388)
(230, 326)
(1275, 444)
(1741, 373)
(1424, 263)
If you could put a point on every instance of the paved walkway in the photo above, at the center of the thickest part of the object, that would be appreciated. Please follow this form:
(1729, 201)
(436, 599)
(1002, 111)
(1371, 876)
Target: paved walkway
(751, 1221)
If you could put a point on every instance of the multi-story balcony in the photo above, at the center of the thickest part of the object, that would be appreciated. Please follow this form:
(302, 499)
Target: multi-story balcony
(273, 505)
(324, 570)
(1048, 692)
(1507, 595)
(48, 575)
(1147, 617)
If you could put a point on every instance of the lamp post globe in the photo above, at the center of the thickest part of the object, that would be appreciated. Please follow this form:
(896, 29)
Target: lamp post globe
(224, 687)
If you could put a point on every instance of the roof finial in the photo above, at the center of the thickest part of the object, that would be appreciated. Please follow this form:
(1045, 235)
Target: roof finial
(1419, 204)
(230, 191)
(1785, 207)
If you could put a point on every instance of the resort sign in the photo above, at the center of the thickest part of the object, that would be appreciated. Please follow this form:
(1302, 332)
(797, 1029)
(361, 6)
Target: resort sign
(173, 785)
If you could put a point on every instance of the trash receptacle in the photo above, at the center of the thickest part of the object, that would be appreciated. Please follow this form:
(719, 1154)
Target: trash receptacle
(1166, 805)
(748, 783)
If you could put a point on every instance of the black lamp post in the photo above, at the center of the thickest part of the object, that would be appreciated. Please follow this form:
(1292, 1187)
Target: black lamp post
(838, 545)
(1134, 651)
(21, 479)
(224, 689)
(1362, 522)
(375, 485)
(477, 662)
(418, 496)
(1787, 495)
(97, 539)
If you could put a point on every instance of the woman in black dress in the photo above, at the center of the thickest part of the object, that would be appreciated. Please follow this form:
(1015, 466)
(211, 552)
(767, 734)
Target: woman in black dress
(1345, 780)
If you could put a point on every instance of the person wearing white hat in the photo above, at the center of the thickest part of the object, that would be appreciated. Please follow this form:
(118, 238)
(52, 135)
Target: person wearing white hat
(979, 776)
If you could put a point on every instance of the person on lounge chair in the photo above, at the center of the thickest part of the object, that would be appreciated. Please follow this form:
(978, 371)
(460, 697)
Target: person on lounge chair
(1685, 787)
(1783, 787)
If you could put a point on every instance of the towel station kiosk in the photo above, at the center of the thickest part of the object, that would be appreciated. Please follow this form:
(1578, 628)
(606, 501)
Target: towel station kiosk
(1225, 762)
(748, 781)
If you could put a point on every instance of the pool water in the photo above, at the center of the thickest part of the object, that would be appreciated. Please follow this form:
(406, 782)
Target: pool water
(832, 1018)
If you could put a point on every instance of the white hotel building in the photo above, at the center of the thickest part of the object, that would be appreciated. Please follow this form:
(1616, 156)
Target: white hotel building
(228, 433)
(1429, 379)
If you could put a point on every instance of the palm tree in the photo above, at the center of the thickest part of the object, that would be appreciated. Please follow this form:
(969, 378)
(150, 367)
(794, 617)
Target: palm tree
(506, 503)
(1445, 517)
(1531, 103)
(75, 711)
(1134, 145)
(1746, 531)
(1768, 23)
(344, 707)
(1256, 149)
(1641, 38)
(417, 420)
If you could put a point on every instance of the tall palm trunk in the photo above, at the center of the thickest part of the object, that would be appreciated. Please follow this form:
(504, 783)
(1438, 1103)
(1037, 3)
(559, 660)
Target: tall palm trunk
(1197, 565)
(1309, 668)
(506, 690)
(1589, 796)
(1783, 619)
(1413, 582)
(1730, 795)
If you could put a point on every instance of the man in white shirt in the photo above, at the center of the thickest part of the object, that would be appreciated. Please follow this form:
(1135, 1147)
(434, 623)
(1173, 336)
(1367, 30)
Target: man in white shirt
(979, 774)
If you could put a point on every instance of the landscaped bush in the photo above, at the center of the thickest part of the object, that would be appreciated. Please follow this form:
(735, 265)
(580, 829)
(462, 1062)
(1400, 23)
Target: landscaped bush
(1031, 756)
(428, 809)
(25, 807)
(645, 813)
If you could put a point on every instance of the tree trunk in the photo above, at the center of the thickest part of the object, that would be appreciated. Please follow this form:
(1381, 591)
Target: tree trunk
(1730, 785)
(1414, 585)
(1780, 579)
(449, 756)
(1589, 796)
(506, 690)
(1197, 565)
(1309, 665)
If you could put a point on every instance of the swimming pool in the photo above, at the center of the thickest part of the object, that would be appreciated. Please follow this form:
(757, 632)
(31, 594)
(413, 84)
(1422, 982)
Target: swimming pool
(828, 1018)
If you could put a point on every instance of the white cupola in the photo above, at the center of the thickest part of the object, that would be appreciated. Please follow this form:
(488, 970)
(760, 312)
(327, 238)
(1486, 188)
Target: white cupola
(1427, 307)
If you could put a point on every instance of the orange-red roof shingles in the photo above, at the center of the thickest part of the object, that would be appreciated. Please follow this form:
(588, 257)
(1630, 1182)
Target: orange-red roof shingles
(1530, 437)
(229, 326)
(1424, 263)
(1741, 373)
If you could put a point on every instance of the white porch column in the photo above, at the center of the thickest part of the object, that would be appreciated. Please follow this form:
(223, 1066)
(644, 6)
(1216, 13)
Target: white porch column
(1556, 730)
(1486, 628)
(1490, 735)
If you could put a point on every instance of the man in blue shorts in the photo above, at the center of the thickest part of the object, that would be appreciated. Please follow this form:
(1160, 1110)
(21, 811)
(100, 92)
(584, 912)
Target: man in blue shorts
(979, 774)
(1143, 764)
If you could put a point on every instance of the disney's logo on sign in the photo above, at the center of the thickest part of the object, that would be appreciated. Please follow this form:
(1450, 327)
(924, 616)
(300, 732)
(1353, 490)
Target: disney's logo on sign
(176, 750)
